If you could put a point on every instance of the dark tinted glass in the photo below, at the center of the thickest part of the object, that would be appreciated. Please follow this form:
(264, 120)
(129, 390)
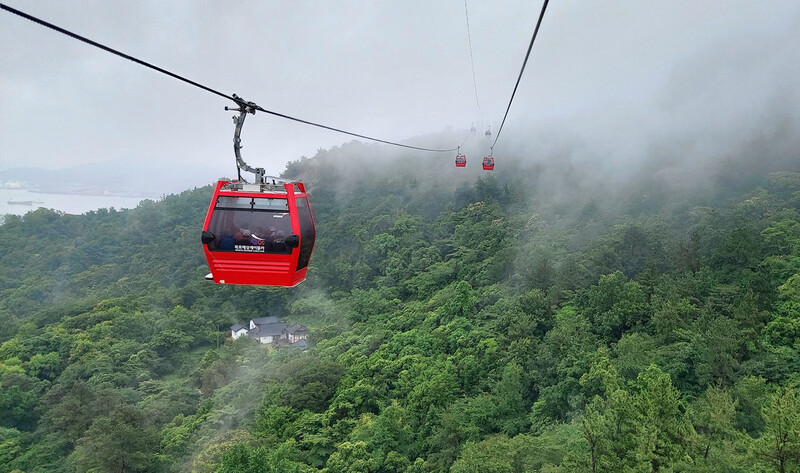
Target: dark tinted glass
(251, 203)
(307, 232)
(250, 225)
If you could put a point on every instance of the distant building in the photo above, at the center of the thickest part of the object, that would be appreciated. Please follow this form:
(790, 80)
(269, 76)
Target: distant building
(271, 330)
(237, 331)
(296, 332)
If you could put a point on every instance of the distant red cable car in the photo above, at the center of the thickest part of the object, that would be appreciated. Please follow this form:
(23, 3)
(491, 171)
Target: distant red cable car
(260, 234)
(488, 163)
(461, 161)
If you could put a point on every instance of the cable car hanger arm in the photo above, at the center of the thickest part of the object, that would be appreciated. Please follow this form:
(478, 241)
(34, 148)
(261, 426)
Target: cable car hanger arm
(243, 109)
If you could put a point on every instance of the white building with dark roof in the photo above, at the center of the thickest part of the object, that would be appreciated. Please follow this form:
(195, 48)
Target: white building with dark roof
(237, 330)
(296, 332)
(271, 330)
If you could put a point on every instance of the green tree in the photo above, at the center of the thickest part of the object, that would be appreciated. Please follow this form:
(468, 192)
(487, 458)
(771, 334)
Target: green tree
(497, 454)
(610, 423)
(120, 442)
(615, 305)
(352, 457)
(779, 444)
(310, 383)
(665, 426)
(783, 237)
(10, 446)
(46, 366)
(247, 459)
(714, 416)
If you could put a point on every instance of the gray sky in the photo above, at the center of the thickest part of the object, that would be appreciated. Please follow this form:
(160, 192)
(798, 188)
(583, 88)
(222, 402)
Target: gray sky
(618, 73)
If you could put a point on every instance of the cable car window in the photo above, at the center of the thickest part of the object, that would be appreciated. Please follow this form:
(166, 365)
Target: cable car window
(307, 232)
(234, 202)
(271, 204)
(239, 228)
(255, 203)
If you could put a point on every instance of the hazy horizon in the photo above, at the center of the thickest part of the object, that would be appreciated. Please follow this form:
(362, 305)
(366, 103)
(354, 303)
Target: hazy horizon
(620, 84)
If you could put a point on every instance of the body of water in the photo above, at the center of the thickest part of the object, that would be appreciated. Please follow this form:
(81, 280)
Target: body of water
(68, 203)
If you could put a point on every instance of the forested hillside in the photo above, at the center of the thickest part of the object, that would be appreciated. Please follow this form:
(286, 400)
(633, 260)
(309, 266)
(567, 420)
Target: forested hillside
(538, 318)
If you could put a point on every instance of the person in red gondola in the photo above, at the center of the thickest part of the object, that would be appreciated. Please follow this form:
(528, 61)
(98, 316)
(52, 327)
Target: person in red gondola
(255, 240)
(227, 243)
(238, 238)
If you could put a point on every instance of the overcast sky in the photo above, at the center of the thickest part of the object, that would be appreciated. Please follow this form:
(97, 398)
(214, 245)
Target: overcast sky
(620, 69)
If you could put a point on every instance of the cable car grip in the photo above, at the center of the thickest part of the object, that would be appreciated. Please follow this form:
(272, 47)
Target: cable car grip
(243, 108)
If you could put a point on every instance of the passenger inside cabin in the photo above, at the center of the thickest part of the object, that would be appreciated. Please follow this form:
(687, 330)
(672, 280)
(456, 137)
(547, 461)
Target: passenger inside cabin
(256, 240)
(227, 242)
(239, 238)
(278, 244)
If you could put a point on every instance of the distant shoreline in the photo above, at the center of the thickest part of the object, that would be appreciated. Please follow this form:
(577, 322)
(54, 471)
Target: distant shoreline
(83, 192)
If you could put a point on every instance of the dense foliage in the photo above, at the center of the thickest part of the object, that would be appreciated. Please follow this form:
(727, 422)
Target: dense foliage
(502, 323)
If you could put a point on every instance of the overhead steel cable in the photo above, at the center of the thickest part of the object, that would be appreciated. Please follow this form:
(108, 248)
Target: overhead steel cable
(471, 59)
(466, 138)
(201, 86)
(433, 150)
(524, 63)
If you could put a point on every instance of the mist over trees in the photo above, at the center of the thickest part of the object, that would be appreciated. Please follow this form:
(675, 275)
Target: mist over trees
(562, 313)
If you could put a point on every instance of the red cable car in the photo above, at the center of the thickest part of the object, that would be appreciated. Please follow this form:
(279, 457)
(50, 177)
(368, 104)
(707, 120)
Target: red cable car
(488, 163)
(261, 233)
(461, 161)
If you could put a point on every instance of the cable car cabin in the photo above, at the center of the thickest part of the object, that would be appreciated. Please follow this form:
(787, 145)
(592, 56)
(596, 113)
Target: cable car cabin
(461, 161)
(488, 163)
(260, 234)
